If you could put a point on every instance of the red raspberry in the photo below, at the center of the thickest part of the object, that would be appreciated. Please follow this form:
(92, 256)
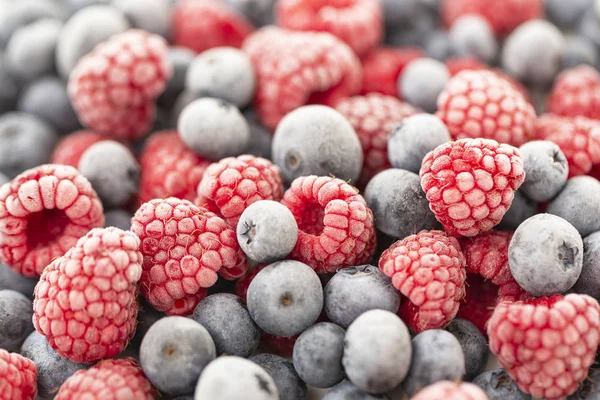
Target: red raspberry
(335, 225)
(229, 186)
(481, 103)
(18, 377)
(203, 24)
(43, 212)
(456, 65)
(169, 168)
(298, 68)
(184, 247)
(359, 23)
(446, 390)
(282, 346)
(576, 92)
(108, 380)
(374, 117)
(71, 148)
(546, 344)
(429, 269)
(113, 87)
(383, 65)
(86, 301)
(470, 183)
(503, 16)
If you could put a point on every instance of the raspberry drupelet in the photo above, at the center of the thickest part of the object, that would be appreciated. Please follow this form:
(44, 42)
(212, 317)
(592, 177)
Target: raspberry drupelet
(470, 184)
(43, 212)
(546, 344)
(169, 168)
(86, 301)
(382, 67)
(17, 377)
(232, 184)
(576, 92)
(447, 390)
(71, 148)
(429, 269)
(184, 247)
(108, 380)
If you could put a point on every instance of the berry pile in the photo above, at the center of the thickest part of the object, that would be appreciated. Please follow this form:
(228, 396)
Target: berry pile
(299, 199)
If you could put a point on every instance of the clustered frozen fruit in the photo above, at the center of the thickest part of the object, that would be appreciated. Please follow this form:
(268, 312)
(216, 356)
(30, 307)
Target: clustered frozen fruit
(294, 199)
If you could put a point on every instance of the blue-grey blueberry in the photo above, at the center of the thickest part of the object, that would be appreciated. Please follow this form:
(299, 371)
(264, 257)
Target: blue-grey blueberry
(589, 279)
(472, 36)
(261, 139)
(579, 50)
(19, 13)
(12, 280)
(259, 12)
(422, 81)
(347, 391)
(589, 388)
(398, 13)
(474, 346)
(438, 45)
(567, 14)
(180, 59)
(16, 311)
(153, 16)
(289, 385)
(546, 170)
(590, 26)
(579, 203)
(118, 218)
(520, 209)
(498, 385)
(9, 87)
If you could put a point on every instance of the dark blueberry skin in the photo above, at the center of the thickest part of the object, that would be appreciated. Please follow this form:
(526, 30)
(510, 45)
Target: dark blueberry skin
(499, 386)
(589, 389)
(9, 279)
(473, 344)
(180, 58)
(355, 290)
(579, 203)
(422, 81)
(579, 50)
(589, 280)
(9, 87)
(347, 391)
(472, 36)
(546, 170)
(288, 383)
(567, 14)
(16, 311)
(520, 209)
(260, 138)
(227, 320)
(118, 218)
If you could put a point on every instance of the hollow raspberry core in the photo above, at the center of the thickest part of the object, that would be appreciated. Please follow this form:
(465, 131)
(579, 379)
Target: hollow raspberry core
(45, 227)
(311, 220)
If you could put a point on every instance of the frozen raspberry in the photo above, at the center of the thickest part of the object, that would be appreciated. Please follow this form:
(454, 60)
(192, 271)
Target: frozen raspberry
(86, 301)
(335, 225)
(203, 24)
(576, 92)
(43, 212)
(282, 346)
(429, 269)
(232, 184)
(184, 247)
(546, 344)
(374, 117)
(298, 68)
(481, 103)
(446, 390)
(71, 148)
(382, 67)
(169, 168)
(359, 23)
(113, 87)
(456, 65)
(17, 377)
(470, 183)
(578, 138)
(503, 16)
(108, 380)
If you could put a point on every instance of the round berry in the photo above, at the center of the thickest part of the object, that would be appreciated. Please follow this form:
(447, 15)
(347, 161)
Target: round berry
(589, 279)
(9, 279)
(438, 45)
(546, 170)
(566, 15)
(153, 16)
(71, 147)
(473, 344)
(10, 87)
(472, 35)
(579, 204)
(422, 81)
(118, 218)
(261, 138)
(289, 385)
(498, 385)
(17, 376)
(16, 311)
(180, 58)
(346, 390)
(579, 50)
(447, 390)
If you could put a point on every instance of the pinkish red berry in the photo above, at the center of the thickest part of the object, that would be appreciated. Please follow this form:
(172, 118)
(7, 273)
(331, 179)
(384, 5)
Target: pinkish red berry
(17, 377)
(446, 390)
(576, 92)
(71, 148)
(382, 67)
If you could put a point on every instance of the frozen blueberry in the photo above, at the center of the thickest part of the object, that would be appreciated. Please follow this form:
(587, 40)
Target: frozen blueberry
(113, 172)
(16, 311)
(19, 13)
(520, 209)
(589, 279)
(150, 15)
(545, 255)
(9, 87)
(267, 231)
(317, 140)
(413, 32)
(289, 385)
(590, 27)
(47, 99)
(422, 81)
(474, 346)
(436, 356)
(118, 218)
(472, 35)
(498, 385)
(318, 355)
(261, 139)
(377, 351)
(589, 388)
(259, 12)
(224, 73)
(533, 51)
(579, 50)
(25, 142)
(355, 290)
(399, 13)
(414, 137)
(226, 318)
(567, 14)
(347, 391)
(579, 203)
(174, 352)
(52, 369)
(3, 179)
(546, 170)
(398, 202)
(180, 59)
(76, 5)
(83, 31)
(9, 279)
(438, 45)
(285, 298)
(213, 128)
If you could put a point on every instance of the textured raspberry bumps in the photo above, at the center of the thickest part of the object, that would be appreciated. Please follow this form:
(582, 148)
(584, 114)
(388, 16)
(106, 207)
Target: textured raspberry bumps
(470, 183)
(446, 390)
(298, 68)
(229, 186)
(17, 377)
(480, 103)
(108, 380)
(43, 212)
(547, 344)
(113, 87)
(374, 117)
(576, 92)
(184, 247)
(72, 147)
(335, 225)
(383, 65)
(169, 168)
(359, 23)
(429, 269)
(86, 301)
